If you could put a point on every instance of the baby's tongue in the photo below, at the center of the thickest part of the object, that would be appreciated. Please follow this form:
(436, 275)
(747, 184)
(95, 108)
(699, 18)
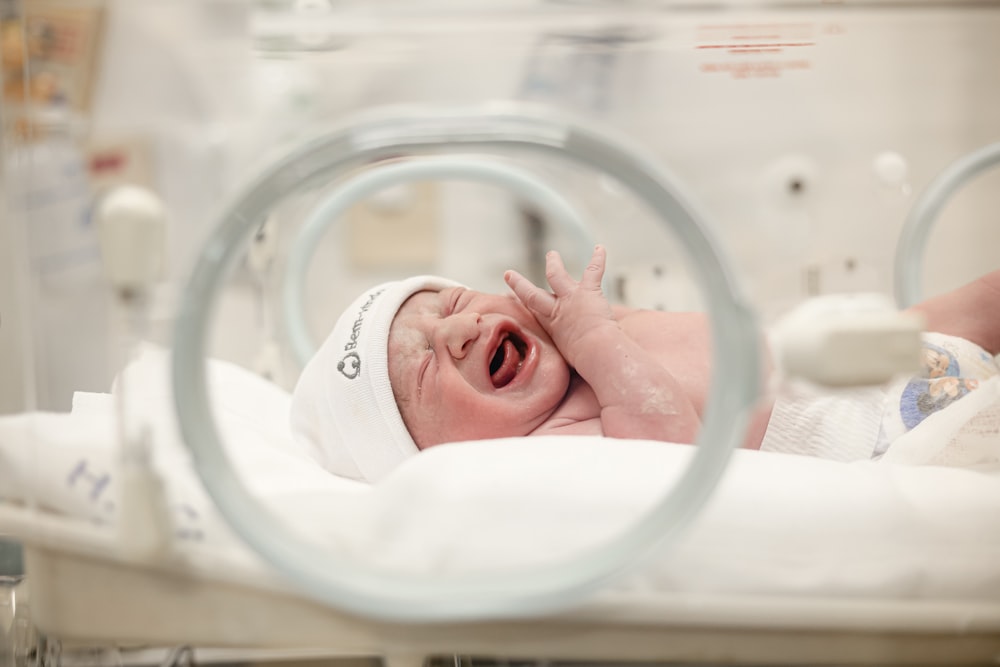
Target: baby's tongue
(508, 368)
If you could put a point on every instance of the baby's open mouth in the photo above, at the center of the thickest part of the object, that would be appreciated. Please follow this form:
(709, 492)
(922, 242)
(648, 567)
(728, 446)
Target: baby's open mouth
(507, 360)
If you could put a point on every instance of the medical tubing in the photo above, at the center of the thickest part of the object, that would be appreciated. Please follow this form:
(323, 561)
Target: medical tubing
(916, 231)
(378, 178)
(354, 587)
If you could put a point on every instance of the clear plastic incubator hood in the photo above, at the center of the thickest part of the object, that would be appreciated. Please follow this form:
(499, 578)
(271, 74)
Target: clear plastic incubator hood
(195, 190)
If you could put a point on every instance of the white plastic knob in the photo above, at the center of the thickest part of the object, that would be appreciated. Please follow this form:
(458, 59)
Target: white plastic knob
(844, 340)
(132, 227)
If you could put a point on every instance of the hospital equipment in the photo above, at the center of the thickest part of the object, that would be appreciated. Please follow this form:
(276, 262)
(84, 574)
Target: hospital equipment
(903, 626)
(734, 333)
(132, 231)
(917, 228)
(788, 560)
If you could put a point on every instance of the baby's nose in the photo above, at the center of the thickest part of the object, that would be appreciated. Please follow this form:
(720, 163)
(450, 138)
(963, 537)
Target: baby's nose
(460, 331)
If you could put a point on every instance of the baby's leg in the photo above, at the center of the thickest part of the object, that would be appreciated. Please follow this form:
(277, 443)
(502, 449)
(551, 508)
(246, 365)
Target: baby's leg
(971, 312)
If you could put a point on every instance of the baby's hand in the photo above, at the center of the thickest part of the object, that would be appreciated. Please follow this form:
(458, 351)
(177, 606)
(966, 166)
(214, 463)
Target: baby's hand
(637, 395)
(573, 311)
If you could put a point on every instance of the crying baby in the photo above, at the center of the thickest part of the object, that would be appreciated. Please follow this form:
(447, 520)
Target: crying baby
(424, 361)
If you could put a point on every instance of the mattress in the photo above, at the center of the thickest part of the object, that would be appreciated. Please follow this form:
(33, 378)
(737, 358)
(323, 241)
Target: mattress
(785, 541)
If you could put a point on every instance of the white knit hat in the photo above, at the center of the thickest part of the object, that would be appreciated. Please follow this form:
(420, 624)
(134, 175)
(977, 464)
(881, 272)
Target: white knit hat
(343, 408)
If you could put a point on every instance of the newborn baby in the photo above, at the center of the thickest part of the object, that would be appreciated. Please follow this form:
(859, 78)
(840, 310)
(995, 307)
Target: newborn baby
(425, 361)
(466, 365)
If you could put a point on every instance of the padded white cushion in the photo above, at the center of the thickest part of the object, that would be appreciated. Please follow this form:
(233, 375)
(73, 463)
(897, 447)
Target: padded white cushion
(778, 525)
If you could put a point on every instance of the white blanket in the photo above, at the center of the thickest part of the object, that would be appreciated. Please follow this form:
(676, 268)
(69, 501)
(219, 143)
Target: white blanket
(778, 524)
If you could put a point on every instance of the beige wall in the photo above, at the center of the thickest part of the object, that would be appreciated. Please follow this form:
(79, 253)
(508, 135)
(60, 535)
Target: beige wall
(850, 85)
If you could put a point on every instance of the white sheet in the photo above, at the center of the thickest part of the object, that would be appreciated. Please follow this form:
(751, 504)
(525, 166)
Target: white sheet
(778, 525)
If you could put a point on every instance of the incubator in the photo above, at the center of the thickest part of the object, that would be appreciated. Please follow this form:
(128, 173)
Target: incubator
(195, 190)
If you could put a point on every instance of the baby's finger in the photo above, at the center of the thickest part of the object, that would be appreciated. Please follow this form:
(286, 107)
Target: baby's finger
(594, 272)
(555, 272)
(533, 297)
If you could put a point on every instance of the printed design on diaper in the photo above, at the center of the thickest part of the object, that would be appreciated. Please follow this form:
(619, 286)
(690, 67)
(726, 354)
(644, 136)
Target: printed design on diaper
(938, 362)
(941, 385)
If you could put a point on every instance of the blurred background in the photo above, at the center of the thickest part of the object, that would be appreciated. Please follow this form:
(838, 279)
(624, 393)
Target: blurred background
(802, 131)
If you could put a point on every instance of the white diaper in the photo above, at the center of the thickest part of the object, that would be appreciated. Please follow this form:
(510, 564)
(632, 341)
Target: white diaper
(856, 424)
(841, 425)
(953, 367)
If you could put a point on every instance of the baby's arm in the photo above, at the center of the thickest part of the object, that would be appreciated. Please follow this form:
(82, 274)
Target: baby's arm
(971, 312)
(639, 398)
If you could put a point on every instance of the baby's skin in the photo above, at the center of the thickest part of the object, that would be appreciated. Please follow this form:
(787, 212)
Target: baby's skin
(466, 365)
